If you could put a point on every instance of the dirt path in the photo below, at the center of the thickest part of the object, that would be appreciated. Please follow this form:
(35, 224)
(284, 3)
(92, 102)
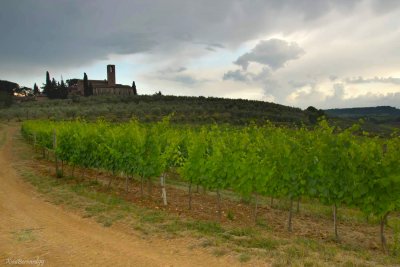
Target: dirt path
(31, 228)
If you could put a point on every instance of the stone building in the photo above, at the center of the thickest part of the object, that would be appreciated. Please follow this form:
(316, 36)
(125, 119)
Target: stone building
(102, 87)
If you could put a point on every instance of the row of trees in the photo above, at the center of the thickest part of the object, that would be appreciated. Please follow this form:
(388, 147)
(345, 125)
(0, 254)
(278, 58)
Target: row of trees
(54, 89)
(336, 167)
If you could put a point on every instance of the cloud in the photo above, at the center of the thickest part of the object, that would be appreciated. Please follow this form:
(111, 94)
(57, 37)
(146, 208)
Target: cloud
(314, 96)
(301, 47)
(216, 45)
(371, 100)
(246, 76)
(273, 53)
(210, 48)
(237, 75)
(172, 70)
(338, 93)
(333, 77)
(76, 33)
(361, 80)
(213, 47)
(186, 79)
(180, 78)
(298, 84)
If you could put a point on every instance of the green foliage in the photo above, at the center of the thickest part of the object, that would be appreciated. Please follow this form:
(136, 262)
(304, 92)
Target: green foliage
(337, 167)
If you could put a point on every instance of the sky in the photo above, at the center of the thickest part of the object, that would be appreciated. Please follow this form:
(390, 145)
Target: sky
(326, 54)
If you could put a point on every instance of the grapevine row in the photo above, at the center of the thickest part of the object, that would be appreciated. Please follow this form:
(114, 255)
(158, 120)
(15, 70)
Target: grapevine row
(337, 167)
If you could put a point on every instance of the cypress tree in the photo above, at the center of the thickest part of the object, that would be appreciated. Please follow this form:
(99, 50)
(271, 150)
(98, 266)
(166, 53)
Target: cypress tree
(134, 88)
(35, 89)
(85, 85)
(47, 85)
(48, 81)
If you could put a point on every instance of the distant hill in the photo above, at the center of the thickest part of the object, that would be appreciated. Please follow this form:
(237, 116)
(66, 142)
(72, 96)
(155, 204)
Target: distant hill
(376, 119)
(380, 111)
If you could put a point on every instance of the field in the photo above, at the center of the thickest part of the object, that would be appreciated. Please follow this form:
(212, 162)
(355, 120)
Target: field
(237, 227)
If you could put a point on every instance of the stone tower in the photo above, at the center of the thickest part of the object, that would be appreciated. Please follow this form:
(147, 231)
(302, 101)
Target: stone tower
(111, 75)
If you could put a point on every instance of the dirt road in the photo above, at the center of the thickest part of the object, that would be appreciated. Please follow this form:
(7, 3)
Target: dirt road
(31, 229)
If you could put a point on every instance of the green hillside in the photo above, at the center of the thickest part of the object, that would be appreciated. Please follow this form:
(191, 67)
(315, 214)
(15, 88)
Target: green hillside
(380, 111)
(197, 110)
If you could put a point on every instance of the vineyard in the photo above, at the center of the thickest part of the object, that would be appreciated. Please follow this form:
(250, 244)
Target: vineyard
(336, 167)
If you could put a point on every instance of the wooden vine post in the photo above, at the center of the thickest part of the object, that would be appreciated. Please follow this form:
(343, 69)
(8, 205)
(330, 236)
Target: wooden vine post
(126, 183)
(54, 148)
(190, 195)
(382, 232)
(255, 207)
(219, 205)
(34, 141)
(335, 229)
(163, 190)
(141, 185)
(290, 227)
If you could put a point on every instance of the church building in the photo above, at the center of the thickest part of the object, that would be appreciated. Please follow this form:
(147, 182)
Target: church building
(103, 87)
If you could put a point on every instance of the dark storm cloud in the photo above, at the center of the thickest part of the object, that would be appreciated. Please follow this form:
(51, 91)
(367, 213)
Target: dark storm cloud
(65, 33)
(75, 33)
(346, 38)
